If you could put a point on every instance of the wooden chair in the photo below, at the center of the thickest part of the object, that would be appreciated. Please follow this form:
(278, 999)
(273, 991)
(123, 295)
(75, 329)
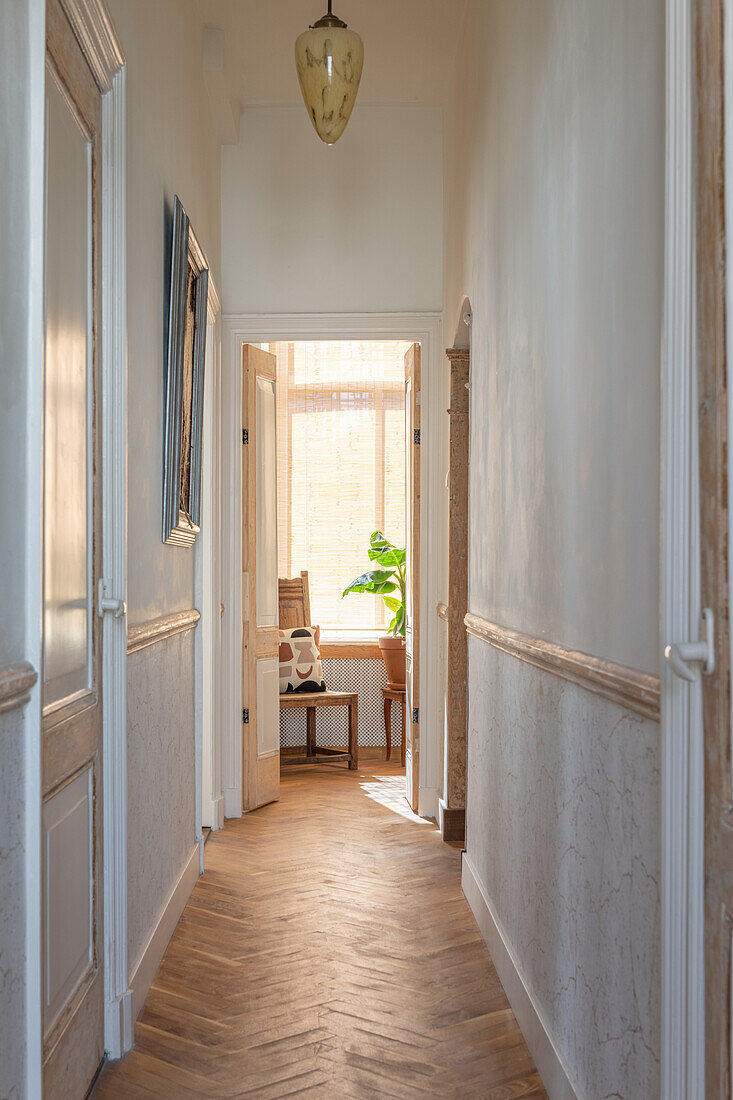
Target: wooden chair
(295, 610)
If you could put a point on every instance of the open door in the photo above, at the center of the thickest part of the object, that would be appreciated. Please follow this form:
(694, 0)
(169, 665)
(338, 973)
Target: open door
(412, 544)
(72, 762)
(260, 665)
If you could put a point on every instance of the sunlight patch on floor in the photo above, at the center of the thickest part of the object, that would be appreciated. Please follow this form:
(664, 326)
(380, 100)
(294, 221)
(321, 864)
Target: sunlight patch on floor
(389, 791)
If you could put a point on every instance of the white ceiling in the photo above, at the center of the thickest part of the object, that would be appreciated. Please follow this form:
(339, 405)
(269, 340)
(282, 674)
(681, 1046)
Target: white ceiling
(409, 46)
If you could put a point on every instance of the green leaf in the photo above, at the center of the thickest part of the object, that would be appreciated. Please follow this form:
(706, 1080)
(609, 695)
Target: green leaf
(397, 626)
(392, 603)
(376, 581)
(378, 542)
(393, 557)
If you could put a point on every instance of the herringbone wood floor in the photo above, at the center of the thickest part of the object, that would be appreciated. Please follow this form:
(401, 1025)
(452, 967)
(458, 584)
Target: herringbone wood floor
(328, 952)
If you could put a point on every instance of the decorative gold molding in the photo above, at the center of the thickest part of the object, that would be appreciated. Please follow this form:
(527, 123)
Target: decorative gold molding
(442, 610)
(637, 691)
(16, 682)
(157, 630)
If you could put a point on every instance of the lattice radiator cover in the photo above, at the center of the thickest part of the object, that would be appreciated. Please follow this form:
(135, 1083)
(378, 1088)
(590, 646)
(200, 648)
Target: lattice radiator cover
(365, 675)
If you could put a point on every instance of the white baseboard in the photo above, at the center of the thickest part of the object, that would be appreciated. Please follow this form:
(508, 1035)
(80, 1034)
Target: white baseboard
(148, 961)
(118, 1026)
(214, 816)
(550, 1063)
(429, 802)
(232, 801)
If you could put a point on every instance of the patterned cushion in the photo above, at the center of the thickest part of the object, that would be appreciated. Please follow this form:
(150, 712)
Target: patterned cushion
(300, 660)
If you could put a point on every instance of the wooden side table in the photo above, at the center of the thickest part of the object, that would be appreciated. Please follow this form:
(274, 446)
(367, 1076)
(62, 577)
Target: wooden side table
(390, 695)
(320, 754)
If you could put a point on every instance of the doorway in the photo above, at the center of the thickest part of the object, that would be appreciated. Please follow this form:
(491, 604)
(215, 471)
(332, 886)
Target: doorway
(278, 333)
(343, 461)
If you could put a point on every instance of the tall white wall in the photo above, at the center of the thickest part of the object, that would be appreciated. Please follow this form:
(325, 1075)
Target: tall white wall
(554, 229)
(171, 149)
(353, 227)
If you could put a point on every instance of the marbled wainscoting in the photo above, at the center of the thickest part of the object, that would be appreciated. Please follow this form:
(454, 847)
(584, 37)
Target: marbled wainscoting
(161, 785)
(12, 906)
(562, 831)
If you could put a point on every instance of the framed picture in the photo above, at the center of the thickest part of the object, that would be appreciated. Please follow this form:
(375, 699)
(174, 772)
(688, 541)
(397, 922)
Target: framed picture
(184, 383)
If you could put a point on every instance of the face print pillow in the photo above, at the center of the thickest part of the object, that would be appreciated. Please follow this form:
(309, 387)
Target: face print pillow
(300, 660)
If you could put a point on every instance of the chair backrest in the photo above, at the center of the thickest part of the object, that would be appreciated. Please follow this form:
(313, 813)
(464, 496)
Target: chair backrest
(294, 601)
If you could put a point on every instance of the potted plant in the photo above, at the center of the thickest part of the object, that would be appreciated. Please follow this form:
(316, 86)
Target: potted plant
(387, 580)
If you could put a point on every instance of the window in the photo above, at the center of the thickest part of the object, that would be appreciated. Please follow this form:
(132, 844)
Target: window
(341, 469)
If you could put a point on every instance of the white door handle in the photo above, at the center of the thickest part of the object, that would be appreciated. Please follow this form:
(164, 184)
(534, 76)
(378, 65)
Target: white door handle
(118, 608)
(679, 655)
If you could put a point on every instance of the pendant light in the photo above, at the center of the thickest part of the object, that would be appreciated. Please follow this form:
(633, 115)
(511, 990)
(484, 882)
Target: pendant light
(329, 60)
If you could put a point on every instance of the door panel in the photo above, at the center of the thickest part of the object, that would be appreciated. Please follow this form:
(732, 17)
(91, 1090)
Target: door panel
(67, 472)
(266, 525)
(73, 1016)
(412, 545)
(260, 665)
(268, 708)
(69, 955)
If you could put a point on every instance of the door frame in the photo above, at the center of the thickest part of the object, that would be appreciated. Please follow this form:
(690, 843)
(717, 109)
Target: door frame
(682, 755)
(208, 566)
(425, 328)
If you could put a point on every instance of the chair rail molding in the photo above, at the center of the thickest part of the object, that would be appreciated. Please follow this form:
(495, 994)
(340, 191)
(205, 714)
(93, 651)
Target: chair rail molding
(158, 630)
(682, 1003)
(16, 682)
(629, 688)
(426, 328)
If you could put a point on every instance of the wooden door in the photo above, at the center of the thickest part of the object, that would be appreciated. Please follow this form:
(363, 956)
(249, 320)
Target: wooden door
(412, 544)
(260, 664)
(714, 411)
(73, 1011)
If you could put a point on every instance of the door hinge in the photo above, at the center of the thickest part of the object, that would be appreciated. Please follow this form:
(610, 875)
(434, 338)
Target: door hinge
(415, 716)
(245, 716)
(106, 603)
(416, 436)
(679, 655)
(245, 436)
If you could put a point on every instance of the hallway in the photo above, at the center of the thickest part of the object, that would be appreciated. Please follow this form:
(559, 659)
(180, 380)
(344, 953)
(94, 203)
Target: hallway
(327, 951)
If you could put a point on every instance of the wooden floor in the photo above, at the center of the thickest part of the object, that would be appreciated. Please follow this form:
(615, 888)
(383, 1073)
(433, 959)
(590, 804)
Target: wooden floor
(328, 952)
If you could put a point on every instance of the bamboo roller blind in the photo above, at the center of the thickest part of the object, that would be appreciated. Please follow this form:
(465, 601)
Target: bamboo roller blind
(341, 468)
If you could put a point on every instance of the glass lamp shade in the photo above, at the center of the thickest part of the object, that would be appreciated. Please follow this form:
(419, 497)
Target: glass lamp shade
(329, 61)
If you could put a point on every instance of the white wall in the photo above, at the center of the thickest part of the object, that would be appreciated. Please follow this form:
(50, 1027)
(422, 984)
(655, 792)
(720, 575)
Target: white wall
(171, 149)
(354, 227)
(554, 230)
(554, 222)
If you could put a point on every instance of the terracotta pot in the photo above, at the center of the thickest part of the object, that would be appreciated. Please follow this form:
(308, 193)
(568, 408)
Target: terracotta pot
(393, 655)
